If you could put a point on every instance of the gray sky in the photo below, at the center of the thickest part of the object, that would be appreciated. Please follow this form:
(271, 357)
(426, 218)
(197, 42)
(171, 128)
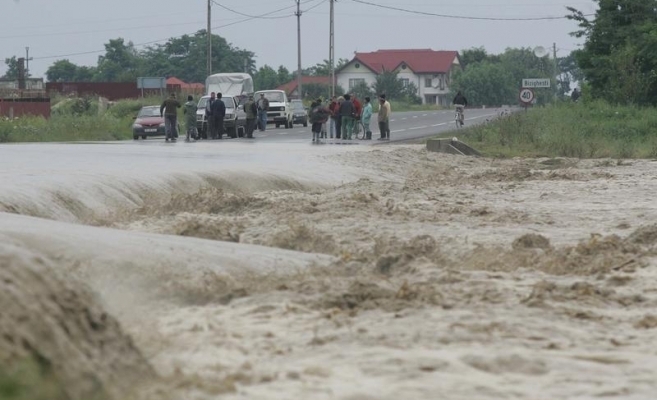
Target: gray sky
(61, 27)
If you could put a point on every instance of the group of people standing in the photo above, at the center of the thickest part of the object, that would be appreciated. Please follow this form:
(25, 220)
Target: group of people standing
(343, 114)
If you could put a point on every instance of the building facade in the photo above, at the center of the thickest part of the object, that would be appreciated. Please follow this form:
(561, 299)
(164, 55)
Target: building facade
(429, 70)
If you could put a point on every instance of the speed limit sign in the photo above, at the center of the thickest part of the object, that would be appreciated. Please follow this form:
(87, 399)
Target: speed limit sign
(526, 96)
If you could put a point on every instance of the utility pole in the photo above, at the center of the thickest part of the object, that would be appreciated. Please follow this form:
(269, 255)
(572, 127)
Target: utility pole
(27, 62)
(209, 48)
(332, 50)
(556, 71)
(299, 77)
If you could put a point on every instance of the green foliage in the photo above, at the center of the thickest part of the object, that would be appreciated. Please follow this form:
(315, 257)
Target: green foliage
(324, 68)
(496, 79)
(266, 79)
(76, 106)
(485, 83)
(12, 68)
(27, 381)
(119, 64)
(362, 90)
(594, 129)
(130, 107)
(619, 57)
(388, 82)
(183, 57)
(64, 128)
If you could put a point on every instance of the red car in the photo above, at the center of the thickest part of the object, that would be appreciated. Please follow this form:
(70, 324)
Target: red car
(149, 122)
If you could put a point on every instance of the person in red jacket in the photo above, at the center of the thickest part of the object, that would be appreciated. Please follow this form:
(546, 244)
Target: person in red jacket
(358, 106)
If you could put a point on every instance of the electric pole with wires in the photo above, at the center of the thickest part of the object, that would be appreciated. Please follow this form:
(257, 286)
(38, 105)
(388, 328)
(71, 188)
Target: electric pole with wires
(209, 40)
(332, 50)
(299, 77)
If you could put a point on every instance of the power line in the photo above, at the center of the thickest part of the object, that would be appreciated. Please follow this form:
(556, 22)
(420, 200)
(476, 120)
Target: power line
(97, 30)
(315, 6)
(164, 40)
(264, 16)
(459, 16)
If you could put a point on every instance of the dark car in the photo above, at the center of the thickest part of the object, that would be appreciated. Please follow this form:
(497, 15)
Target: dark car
(299, 113)
(149, 122)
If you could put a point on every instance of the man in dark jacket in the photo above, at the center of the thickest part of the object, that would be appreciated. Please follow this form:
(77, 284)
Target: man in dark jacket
(347, 111)
(251, 111)
(169, 110)
(460, 102)
(217, 112)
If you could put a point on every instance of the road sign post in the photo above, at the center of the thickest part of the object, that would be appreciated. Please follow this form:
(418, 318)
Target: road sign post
(526, 96)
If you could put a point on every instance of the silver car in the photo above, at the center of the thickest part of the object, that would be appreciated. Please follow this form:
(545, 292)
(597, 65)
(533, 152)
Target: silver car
(234, 121)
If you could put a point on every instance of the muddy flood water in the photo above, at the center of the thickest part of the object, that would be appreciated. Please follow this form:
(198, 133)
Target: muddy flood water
(403, 274)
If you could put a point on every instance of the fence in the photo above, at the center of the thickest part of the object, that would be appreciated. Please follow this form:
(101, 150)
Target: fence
(18, 107)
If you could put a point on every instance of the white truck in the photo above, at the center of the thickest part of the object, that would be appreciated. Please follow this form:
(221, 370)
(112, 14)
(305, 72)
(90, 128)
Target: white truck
(280, 108)
(234, 84)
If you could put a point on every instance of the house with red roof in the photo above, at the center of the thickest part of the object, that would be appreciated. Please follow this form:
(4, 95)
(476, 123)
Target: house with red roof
(430, 70)
(177, 85)
(291, 88)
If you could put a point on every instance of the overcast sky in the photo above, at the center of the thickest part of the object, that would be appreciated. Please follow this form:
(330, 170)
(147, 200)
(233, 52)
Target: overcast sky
(54, 29)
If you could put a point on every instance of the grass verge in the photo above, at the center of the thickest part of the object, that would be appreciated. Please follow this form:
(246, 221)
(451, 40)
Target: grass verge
(584, 130)
(76, 119)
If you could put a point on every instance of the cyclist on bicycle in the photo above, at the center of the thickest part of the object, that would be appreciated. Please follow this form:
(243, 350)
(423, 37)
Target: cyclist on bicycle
(460, 102)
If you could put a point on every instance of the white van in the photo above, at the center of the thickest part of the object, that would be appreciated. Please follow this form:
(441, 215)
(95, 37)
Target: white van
(280, 109)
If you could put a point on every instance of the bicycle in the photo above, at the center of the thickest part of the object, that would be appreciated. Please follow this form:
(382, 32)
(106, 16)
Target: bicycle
(359, 129)
(458, 117)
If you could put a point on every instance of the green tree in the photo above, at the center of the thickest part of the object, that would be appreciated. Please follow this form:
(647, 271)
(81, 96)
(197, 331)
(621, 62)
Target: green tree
(266, 78)
(185, 58)
(120, 62)
(62, 71)
(472, 56)
(12, 68)
(619, 57)
(388, 82)
(324, 68)
(283, 75)
(84, 74)
(486, 83)
(362, 90)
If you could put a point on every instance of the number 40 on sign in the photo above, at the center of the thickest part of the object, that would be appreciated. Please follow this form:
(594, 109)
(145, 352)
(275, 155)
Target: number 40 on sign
(526, 96)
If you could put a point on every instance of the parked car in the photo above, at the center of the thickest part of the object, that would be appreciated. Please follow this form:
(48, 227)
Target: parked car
(280, 109)
(234, 121)
(299, 113)
(149, 122)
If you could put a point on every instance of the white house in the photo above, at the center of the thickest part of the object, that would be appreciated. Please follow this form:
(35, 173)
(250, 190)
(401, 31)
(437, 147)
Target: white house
(429, 70)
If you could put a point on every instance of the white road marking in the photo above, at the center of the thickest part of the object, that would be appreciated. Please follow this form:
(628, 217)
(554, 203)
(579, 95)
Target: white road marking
(414, 116)
(399, 130)
(417, 127)
(441, 124)
(405, 118)
(392, 120)
(424, 115)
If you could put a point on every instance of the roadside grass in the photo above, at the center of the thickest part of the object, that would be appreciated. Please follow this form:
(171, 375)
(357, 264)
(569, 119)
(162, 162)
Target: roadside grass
(583, 130)
(27, 381)
(76, 119)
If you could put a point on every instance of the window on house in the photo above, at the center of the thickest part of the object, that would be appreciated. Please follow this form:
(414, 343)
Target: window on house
(405, 81)
(355, 82)
(427, 82)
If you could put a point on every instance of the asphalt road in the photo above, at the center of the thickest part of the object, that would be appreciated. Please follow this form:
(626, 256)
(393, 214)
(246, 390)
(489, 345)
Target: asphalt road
(404, 126)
